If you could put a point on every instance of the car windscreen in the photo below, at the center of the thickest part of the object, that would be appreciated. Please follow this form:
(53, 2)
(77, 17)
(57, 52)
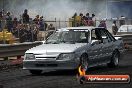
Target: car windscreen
(68, 36)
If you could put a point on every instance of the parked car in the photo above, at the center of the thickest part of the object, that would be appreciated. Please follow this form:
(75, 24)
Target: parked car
(71, 47)
(125, 28)
(125, 31)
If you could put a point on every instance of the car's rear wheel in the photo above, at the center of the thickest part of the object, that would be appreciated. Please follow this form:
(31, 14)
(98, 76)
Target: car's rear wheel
(35, 72)
(114, 60)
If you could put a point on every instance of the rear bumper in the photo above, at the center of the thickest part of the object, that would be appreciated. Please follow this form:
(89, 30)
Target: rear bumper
(49, 65)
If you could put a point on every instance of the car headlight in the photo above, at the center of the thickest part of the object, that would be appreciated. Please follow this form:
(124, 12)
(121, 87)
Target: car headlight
(67, 56)
(29, 57)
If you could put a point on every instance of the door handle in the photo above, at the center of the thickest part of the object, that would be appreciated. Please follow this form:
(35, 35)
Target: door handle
(95, 51)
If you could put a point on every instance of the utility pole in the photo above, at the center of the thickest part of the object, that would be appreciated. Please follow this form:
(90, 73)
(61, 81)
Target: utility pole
(106, 2)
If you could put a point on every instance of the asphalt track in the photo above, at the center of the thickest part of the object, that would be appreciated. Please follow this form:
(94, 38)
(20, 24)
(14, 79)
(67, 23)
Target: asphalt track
(18, 78)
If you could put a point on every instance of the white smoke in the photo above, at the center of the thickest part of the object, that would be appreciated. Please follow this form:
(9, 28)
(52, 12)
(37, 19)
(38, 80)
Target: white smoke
(59, 9)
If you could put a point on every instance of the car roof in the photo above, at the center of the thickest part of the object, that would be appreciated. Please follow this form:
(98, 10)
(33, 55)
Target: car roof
(80, 28)
(126, 25)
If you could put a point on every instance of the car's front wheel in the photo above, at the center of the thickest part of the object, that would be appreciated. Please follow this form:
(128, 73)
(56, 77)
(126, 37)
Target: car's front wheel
(114, 60)
(35, 72)
(84, 62)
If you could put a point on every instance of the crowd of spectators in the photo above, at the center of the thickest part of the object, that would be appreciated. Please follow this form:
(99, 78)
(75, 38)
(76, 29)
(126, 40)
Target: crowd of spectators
(83, 20)
(23, 28)
(27, 29)
(86, 20)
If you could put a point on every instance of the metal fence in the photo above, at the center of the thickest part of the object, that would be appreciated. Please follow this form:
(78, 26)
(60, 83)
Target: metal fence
(33, 32)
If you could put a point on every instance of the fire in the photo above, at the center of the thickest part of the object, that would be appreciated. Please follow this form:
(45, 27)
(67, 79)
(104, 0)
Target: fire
(81, 71)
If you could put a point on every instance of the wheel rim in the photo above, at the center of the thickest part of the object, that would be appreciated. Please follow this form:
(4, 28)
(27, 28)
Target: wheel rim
(116, 59)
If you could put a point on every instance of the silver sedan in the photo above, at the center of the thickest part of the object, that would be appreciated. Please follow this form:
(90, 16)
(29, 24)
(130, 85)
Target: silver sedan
(71, 47)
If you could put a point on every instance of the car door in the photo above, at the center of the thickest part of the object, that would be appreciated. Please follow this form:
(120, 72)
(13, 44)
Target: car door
(107, 45)
(95, 49)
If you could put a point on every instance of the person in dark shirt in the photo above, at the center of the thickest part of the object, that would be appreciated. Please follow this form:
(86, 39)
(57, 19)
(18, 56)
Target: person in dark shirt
(41, 24)
(25, 17)
(0, 21)
(103, 24)
(36, 20)
(51, 30)
(9, 23)
(74, 20)
(122, 20)
(114, 28)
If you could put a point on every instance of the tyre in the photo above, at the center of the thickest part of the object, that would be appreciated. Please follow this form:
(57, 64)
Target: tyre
(114, 60)
(35, 72)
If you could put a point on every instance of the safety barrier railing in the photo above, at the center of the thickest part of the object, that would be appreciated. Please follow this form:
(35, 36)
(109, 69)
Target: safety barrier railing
(18, 49)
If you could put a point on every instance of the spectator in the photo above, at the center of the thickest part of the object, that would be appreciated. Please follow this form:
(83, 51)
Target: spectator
(84, 22)
(29, 34)
(41, 24)
(91, 18)
(16, 31)
(22, 33)
(42, 29)
(74, 20)
(15, 24)
(45, 26)
(91, 21)
(102, 24)
(51, 30)
(51, 27)
(0, 21)
(36, 20)
(122, 20)
(77, 21)
(114, 28)
(87, 18)
(25, 17)
(35, 33)
(81, 15)
(9, 22)
(21, 19)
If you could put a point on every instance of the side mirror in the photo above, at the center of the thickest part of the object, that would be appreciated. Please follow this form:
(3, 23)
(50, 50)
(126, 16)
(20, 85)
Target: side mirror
(43, 42)
(105, 39)
(95, 42)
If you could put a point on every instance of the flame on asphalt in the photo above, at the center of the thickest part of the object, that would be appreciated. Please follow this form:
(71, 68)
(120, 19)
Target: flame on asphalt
(81, 71)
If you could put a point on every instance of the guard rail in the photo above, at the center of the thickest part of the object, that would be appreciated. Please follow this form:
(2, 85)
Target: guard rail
(18, 49)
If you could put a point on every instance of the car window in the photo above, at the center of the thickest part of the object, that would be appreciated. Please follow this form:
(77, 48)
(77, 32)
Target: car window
(109, 35)
(129, 29)
(95, 35)
(69, 36)
(105, 36)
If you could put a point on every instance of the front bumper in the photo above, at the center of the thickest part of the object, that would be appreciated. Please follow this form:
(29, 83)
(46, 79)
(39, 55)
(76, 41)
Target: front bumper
(49, 65)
